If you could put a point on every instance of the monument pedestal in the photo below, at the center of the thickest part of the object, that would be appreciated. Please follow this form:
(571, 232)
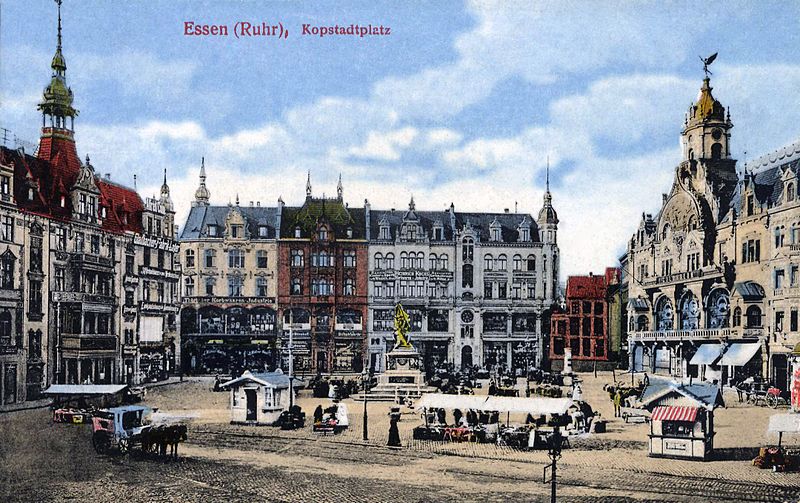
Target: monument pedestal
(402, 378)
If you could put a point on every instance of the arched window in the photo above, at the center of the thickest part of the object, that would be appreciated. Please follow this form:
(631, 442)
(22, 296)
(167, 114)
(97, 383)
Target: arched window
(716, 151)
(531, 263)
(665, 314)
(690, 312)
(488, 262)
(297, 286)
(404, 260)
(790, 191)
(517, 263)
(665, 231)
(502, 262)
(642, 323)
(349, 287)
(468, 249)
(420, 261)
(389, 261)
(719, 309)
(433, 262)
(737, 317)
(692, 223)
(379, 261)
(753, 317)
(444, 262)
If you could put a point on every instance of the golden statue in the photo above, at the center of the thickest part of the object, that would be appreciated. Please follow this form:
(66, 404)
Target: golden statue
(402, 324)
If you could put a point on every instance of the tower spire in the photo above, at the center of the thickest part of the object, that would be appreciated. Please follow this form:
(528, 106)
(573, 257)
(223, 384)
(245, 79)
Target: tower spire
(202, 195)
(547, 175)
(308, 185)
(58, 46)
(339, 188)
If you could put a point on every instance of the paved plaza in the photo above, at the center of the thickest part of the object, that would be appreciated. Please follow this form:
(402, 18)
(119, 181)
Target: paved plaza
(42, 461)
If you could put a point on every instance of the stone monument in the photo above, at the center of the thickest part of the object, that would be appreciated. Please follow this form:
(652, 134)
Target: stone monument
(403, 377)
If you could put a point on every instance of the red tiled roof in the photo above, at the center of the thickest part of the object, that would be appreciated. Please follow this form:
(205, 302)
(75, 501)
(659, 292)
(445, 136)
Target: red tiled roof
(586, 287)
(54, 171)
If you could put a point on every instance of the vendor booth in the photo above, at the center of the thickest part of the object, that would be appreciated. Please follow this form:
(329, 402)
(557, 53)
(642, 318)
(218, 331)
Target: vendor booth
(259, 398)
(682, 418)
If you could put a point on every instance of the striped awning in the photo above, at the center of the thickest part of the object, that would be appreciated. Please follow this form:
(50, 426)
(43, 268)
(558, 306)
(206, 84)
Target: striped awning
(674, 413)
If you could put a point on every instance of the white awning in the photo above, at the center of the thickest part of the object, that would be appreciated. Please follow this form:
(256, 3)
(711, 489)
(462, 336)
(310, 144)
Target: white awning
(85, 389)
(707, 354)
(535, 406)
(784, 423)
(740, 354)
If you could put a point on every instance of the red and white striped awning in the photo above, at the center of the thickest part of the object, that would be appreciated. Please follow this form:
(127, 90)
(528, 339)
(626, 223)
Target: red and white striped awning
(674, 413)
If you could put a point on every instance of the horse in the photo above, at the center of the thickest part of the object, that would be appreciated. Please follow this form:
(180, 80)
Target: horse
(176, 433)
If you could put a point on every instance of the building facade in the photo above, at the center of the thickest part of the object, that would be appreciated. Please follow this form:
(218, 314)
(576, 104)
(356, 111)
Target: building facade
(478, 287)
(712, 279)
(65, 236)
(583, 325)
(229, 257)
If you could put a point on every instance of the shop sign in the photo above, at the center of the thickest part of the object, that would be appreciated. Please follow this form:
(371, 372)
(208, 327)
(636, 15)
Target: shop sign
(796, 387)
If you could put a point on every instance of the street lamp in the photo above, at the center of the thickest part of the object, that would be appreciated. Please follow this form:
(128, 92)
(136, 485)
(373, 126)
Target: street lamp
(364, 382)
(554, 452)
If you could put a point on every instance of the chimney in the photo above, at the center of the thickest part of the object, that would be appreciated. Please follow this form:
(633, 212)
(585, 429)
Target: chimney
(258, 204)
(664, 197)
(505, 210)
(108, 176)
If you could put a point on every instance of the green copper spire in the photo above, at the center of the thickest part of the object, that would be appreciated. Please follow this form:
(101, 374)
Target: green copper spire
(57, 102)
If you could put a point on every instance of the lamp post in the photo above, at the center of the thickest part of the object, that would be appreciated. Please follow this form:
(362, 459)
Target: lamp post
(554, 452)
(291, 359)
(364, 382)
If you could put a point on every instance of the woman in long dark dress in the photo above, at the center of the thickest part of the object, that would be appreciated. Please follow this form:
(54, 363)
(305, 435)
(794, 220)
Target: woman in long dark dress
(318, 414)
(394, 433)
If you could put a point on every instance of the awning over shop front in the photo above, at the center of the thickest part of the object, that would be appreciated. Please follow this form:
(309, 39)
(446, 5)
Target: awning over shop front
(707, 354)
(749, 290)
(637, 304)
(85, 389)
(739, 354)
(443, 401)
(535, 406)
(674, 413)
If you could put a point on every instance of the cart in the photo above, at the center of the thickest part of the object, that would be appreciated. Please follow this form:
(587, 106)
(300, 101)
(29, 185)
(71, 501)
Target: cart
(775, 397)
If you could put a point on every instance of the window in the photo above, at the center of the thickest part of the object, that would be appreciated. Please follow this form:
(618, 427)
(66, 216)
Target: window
(189, 289)
(779, 276)
(7, 271)
(793, 275)
(209, 258)
(384, 232)
(487, 289)
(160, 292)
(693, 261)
(737, 317)
(383, 320)
(349, 258)
(779, 236)
(235, 286)
(516, 291)
(210, 286)
(517, 263)
(36, 254)
(236, 259)
(236, 231)
(297, 232)
(262, 231)
(35, 297)
(349, 287)
(466, 276)
(404, 263)
(212, 231)
(468, 249)
(793, 320)
(79, 242)
(502, 263)
(531, 263)
(531, 289)
(7, 228)
(297, 286)
(750, 205)
(753, 317)
(61, 238)
(377, 289)
(161, 257)
(378, 261)
(146, 290)
(261, 259)
(502, 288)
(433, 262)
(129, 260)
(389, 261)
(322, 234)
(60, 279)
(488, 262)
(189, 258)
(147, 256)
(751, 251)
(5, 185)
(790, 192)
(261, 287)
(297, 258)
(779, 321)
(444, 262)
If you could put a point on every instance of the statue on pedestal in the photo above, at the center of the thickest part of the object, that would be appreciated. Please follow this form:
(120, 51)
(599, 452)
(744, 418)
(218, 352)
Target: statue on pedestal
(402, 325)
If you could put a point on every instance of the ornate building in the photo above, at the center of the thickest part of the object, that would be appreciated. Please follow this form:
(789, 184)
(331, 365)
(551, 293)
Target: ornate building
(66, 233)
(712, 278)
(322, 283)
(478, 286)
(230, 279)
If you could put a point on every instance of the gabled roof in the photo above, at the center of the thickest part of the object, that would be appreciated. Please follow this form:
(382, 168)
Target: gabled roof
(586, 287)
(329, 210)
(707, 395)
(481, 222)
(255, 216)
(394, 218)
(271, 379)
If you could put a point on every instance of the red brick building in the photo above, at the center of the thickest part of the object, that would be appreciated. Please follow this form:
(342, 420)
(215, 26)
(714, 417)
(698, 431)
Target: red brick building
(322, 284)
(582, 325)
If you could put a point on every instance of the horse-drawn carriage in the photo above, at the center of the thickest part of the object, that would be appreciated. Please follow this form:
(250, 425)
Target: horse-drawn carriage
(120, 429)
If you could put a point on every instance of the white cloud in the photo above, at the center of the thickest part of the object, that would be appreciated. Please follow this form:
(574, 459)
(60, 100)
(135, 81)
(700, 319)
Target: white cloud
(385, 146)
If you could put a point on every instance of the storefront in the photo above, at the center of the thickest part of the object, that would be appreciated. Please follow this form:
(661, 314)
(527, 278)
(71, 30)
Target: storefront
(681, 432)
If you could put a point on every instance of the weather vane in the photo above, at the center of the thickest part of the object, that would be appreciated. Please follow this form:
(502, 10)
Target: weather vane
(707, 61)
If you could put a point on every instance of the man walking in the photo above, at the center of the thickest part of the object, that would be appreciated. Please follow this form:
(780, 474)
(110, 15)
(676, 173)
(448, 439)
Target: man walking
(617, 403)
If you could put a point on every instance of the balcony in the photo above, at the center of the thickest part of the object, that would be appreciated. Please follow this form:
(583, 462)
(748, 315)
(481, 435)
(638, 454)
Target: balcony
(680, 277)
(92, 261)
(89, 342)
(93, 298)
(703, 334)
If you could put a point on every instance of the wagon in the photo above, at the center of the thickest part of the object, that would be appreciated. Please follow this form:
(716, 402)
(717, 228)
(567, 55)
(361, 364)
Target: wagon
(119, 428)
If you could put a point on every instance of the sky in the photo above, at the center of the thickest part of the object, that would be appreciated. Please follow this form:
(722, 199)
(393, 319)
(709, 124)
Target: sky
(462, 102)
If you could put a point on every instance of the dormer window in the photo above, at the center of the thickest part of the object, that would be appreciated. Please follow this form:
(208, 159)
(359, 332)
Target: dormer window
(349, 232)
(438, 233)
(236, 231)
(496, 236)
(63, 201)
(750, 205)
(262, 231)
(102, 211)
(212, 231)
(5, 185)
(384, 232)
(297, 232)
(322, 234)
(790, 193)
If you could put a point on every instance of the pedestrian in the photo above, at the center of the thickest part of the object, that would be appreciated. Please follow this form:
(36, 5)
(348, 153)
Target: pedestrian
(457, 416)
(394, 433)
(318, 415)
(617, 403)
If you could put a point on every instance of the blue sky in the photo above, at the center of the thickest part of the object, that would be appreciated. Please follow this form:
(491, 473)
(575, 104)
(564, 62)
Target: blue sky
(463, 102)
